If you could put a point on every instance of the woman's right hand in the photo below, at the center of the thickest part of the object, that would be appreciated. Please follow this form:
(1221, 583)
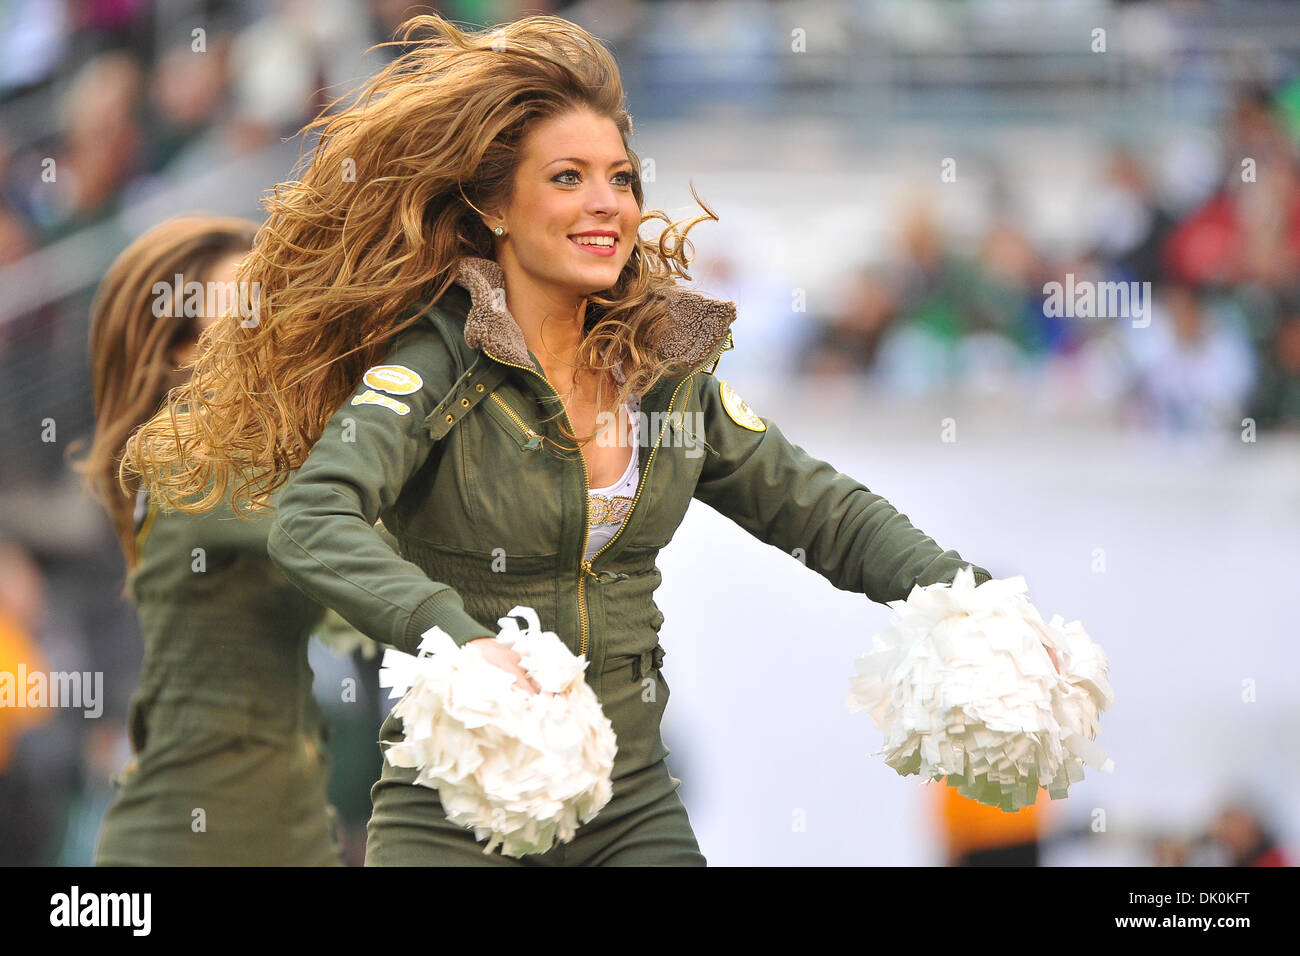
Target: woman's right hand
(507, 659)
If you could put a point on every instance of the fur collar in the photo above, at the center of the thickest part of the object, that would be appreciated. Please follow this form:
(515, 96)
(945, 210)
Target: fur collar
(700, 323)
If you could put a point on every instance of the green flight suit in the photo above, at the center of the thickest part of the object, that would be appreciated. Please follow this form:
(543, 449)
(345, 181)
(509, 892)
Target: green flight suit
(229, 766)
(445, 442)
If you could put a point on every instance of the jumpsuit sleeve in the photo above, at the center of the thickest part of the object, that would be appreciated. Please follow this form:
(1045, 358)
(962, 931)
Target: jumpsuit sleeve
(788, 499)
(324, 537)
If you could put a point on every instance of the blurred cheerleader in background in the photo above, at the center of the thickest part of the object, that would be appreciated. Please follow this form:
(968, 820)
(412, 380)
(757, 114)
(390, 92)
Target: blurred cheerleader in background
(228, 765)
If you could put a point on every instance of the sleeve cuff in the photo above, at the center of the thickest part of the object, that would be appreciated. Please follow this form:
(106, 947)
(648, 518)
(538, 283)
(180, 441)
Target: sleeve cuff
(445, 610)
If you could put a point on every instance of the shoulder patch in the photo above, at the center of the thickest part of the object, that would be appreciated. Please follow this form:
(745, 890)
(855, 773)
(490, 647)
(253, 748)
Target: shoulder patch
(740, 413)
(371, 397)
(394, 379)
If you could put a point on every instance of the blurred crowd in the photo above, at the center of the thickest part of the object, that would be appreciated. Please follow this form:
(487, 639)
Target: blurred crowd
(1221, 342)
(135, 101)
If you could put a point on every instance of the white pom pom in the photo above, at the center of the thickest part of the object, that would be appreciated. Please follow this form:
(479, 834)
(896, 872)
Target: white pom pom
(524, 770)
(962, 686)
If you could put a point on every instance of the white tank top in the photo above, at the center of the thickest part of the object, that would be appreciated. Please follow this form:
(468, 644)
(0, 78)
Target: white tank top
(608, 507)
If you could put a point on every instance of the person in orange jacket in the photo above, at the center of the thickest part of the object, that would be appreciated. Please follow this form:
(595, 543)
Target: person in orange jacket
(979, 835)
(21, 606)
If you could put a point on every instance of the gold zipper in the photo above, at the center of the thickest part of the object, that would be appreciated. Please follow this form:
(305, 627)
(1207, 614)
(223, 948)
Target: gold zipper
(581, 461)
(645, 474)
(584, 567)
(534, 439)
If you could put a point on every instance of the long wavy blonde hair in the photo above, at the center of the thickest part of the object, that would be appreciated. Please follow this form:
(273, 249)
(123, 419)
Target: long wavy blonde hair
(380, 220)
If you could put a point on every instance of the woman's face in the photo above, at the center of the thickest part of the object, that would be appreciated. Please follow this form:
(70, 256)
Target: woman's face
(574, 177)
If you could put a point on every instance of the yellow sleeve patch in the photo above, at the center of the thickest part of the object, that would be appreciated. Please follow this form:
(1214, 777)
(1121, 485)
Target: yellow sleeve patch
(371, 397)
(394, 379)
(739, 412)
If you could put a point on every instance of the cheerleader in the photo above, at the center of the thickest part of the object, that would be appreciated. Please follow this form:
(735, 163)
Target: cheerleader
(228, 764)
(464, 332)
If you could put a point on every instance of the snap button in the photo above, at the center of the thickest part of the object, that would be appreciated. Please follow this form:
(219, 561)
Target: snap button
(478, 387)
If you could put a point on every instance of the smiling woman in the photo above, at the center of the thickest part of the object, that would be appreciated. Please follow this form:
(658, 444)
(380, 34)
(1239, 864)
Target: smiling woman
(550, 267)
(443, 336)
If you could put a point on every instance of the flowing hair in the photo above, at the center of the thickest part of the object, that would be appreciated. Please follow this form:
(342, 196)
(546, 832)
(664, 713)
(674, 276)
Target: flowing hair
(380, 219)
(132, 345)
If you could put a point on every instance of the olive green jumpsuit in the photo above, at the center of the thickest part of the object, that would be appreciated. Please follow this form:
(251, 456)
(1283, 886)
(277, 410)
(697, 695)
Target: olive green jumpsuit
(229, 765)
(447, 442)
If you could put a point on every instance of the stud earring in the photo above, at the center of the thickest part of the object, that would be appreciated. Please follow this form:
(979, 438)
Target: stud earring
(500, 230)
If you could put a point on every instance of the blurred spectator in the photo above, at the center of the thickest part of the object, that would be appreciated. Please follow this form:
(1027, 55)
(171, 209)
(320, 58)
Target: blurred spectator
(33, 41)
(187, 90)
(286, 66)
(975, 834)
(849, 339)
(933, 287)
(1194, 367)
(99, 150)
(1170, 851)
(22, 600)
(1254, 130)
(1249, 230)
(1248, 840)
(1129, 226)
(1276, 401)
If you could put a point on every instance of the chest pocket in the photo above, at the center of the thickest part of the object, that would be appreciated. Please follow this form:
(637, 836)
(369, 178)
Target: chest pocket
(513, 422)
